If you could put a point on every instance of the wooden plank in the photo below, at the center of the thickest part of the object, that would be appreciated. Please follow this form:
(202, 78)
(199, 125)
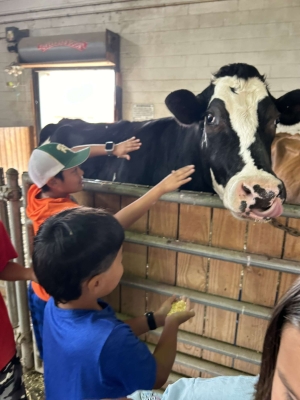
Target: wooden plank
(9, 149)
(134, 261)
(224, 280)
(191, 272)
(163, 219)
(216, 358)
(291, 252)
(109, 202)
(286, 282)
(140, 225)
(292, 248)
(252, 334)
(162, 265)
(194, 223)
(133, 301)
(259, 285)
(244, 366)
(194, 226)
(16, 145)
(85, 198)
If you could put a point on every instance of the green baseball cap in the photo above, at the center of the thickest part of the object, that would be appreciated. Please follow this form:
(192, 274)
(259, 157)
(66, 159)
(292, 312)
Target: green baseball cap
(49, 159)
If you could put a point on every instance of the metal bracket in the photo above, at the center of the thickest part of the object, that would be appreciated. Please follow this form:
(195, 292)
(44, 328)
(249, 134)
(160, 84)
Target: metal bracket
(7, 194)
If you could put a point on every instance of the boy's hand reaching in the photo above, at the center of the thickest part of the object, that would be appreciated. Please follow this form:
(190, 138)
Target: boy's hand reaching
(176, 179)
(122, 149)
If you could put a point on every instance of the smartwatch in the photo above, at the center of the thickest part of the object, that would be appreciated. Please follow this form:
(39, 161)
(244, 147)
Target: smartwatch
(151, 320)
(109, 148)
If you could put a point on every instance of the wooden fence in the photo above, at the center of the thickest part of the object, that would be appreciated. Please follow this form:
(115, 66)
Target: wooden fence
(232, 301)
(16, 145)
(233, 271)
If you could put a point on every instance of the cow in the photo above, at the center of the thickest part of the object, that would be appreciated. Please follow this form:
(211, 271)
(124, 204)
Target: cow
(226, 132)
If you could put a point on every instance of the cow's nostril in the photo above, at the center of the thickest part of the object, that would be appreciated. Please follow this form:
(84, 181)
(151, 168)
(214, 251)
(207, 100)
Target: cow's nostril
(281, 192)
(246, 189)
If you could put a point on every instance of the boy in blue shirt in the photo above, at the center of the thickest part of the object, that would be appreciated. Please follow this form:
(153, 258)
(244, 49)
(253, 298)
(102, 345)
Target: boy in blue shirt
(88, 352)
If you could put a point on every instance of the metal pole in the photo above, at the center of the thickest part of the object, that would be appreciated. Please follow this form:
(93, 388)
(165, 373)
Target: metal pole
(182, 197)
(16, 234)
(238, 257)
(10, 286)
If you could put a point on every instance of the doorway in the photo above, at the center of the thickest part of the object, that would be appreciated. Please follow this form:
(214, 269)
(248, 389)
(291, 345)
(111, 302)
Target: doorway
(87, 94)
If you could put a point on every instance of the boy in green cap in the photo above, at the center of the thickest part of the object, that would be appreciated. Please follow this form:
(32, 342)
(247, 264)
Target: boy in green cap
(55, 171)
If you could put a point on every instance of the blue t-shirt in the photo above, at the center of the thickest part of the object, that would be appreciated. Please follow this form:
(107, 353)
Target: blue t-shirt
(90, 354)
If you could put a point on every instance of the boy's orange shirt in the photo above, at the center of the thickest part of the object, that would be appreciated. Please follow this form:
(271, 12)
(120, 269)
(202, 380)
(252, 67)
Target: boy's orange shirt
(38, 210)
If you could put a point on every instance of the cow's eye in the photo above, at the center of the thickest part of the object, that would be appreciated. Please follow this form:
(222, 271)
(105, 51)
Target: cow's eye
(210, 119)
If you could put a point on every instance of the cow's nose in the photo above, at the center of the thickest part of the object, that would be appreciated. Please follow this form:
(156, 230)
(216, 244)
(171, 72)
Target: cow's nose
(263, 201)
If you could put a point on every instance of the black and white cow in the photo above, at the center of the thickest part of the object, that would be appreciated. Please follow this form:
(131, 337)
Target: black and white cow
(226, 132)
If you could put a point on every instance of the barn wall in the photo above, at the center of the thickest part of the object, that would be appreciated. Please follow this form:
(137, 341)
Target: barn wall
(163, 48)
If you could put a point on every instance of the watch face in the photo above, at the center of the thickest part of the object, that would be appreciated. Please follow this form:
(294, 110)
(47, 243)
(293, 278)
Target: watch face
(109, 146)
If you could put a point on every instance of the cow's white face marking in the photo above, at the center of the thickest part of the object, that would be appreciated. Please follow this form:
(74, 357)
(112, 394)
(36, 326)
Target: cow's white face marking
(242, 107)
(219, 189)
(241, 98)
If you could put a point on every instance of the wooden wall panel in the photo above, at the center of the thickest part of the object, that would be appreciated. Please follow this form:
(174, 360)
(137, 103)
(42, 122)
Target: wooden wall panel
(16, 146)
(224, 279)
(260, 285)
(291, 252)
(85, 198)
(194, 223)
(213, 228)
(163, 221)
(135, 259)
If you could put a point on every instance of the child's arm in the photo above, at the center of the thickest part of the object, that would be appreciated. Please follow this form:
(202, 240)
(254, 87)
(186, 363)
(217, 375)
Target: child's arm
(15, 272)
(128, 215)
(165, 350)
(139, 325)
(121, 150)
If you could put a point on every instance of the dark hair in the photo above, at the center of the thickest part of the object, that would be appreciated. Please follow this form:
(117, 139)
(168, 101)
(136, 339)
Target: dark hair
(286, 312)
(73, 246)
(60, 176)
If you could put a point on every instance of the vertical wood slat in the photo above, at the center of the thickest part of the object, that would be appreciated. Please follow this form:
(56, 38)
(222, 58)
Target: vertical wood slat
(259, 287)
(16, 145)
(291, 252)
(194, 225)
(112, 204)
(135, 262)
(224, 280)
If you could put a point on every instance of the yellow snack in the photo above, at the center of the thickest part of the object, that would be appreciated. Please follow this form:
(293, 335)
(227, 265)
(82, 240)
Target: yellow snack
(177, 307)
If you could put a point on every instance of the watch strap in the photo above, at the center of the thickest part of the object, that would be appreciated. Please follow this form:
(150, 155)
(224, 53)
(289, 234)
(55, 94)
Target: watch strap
(151, 320)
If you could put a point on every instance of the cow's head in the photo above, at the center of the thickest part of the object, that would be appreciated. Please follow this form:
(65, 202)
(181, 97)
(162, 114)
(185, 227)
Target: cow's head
(239, 118)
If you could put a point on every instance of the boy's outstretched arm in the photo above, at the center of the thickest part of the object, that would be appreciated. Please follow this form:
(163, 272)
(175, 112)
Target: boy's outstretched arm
(16, 272)
(165, 350)
(130, 214)
(121, 150)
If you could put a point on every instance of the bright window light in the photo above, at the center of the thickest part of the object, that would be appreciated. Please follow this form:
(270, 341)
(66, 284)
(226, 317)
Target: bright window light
(85, 94)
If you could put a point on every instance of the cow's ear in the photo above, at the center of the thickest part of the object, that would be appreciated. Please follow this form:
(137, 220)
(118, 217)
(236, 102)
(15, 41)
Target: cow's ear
(46, 133)
(185, 106)
(289, 107)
